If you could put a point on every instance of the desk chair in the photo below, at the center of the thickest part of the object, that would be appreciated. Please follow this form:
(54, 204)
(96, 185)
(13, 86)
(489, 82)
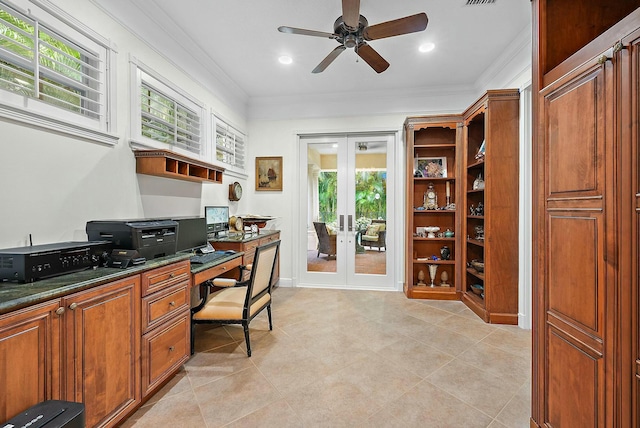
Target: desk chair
(238, 302)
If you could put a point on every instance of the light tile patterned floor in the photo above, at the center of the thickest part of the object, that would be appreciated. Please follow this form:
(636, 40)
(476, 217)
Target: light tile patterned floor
(354, 359)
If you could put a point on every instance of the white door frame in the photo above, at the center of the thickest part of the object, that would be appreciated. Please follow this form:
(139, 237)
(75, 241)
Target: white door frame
(346, 278)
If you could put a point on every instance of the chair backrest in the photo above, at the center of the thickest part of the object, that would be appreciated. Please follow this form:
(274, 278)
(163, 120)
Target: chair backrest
(321, 230)
(264, 264)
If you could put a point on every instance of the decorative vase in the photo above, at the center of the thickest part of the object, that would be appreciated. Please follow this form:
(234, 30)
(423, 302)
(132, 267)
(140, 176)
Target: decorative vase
(444, 277)
(433, 269)
(449, 233)
(445, 253)
(421, 278)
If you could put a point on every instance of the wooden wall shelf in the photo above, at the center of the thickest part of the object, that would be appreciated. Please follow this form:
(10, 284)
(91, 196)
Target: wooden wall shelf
(163, 163)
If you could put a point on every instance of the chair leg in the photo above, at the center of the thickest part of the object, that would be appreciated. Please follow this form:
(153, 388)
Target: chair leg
(269, 314)
(246, 338)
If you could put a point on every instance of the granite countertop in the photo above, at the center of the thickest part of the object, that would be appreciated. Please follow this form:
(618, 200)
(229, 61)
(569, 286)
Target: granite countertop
(246, 237)
(19, 295)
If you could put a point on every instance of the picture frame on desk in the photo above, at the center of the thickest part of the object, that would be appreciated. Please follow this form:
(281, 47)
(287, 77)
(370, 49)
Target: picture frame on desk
(269, 173)
(432, 167)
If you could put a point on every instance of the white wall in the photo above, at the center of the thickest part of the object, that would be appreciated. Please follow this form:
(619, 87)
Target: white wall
(53, 184)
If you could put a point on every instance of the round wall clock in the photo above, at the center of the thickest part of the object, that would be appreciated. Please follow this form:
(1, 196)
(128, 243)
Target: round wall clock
(235, 191)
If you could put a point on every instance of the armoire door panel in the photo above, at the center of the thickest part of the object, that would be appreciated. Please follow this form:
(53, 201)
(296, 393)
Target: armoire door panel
(574, 159)
(574, 251)
(574, 382)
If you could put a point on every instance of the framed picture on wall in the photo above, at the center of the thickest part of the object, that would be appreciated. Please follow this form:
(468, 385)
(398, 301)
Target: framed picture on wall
(269, 173)
(431, 167)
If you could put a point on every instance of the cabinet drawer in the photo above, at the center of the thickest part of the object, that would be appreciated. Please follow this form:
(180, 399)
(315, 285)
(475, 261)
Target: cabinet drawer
(164, 304)
(269, 238)
(164, 350)
(163, 277)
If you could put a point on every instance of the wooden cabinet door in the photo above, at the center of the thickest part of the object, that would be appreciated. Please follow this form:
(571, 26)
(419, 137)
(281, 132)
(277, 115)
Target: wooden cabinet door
(102, 350)
(29, 358)
(577, 283)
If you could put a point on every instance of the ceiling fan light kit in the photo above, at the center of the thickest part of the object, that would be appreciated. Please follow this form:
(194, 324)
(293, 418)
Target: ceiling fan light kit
(352, 30)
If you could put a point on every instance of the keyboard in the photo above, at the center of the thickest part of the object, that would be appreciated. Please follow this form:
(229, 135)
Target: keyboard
(209, 257)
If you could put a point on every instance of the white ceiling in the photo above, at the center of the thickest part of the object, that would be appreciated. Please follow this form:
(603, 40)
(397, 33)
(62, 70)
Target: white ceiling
(236, 44)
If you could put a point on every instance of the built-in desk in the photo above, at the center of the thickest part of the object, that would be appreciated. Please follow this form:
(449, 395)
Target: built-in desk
(247, 243)
(131, 325)
(223, 266)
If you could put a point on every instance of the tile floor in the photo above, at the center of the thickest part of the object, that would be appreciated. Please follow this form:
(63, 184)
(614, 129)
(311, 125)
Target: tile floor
(354, 359)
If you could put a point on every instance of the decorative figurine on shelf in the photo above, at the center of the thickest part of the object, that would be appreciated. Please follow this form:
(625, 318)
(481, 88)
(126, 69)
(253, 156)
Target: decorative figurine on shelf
(478, 183)
(445, 253)
(449, 233)
(444, 277)
(433, 270)
(431, 231)
(480, 209)
(472, 210)
(421, 278)
(431, 198)
(479, 233)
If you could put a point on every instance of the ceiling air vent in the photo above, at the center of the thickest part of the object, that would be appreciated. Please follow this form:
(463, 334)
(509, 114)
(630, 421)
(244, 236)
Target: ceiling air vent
(477, 2)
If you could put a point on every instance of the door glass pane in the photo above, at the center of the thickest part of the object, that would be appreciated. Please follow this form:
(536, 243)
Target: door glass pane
(322, 181)
(371, 207)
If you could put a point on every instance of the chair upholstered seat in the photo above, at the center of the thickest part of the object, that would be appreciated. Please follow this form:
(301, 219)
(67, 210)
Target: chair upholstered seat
(240, 302)
(228, 304)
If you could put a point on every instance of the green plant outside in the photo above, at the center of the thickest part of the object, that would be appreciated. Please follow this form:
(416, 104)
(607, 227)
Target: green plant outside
(370, 198)
(54, 54)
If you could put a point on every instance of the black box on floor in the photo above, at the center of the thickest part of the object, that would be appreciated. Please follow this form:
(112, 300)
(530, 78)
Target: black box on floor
(50, 414)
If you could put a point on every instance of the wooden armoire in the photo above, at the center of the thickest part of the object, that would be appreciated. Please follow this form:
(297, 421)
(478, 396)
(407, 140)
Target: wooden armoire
(586, 211)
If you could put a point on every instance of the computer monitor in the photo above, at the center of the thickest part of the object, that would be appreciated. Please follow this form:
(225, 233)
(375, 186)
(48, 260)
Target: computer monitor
(217, 218)
(192, 233)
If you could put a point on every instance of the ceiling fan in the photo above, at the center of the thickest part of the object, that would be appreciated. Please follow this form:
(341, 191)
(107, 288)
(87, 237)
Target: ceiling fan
(352, 30)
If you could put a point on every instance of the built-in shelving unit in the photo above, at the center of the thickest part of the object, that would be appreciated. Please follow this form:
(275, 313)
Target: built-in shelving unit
(164, 163)
(436, 138)
(490, 203)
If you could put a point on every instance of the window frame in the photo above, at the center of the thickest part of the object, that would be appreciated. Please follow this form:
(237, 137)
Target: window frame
(142, 73)
(231, 169)
(34, 112)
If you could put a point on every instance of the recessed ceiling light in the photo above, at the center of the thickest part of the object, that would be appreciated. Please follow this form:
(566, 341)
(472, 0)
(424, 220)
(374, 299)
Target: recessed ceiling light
(285, 59)
(427, 47)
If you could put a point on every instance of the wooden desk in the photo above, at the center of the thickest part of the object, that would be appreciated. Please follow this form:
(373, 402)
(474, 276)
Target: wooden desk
(224, 267)
(247, 244)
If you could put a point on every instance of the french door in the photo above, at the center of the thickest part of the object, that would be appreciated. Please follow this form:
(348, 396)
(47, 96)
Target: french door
(346, 224)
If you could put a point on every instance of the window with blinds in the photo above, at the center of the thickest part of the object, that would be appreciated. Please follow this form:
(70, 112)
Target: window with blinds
(230, 144)
(166, 120)
(39, 62)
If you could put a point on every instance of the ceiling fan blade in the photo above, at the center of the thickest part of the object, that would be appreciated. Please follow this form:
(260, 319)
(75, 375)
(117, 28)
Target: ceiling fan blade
(351, 13)
(329, 59)
(397, 27)
(371, 57)
(302, 31)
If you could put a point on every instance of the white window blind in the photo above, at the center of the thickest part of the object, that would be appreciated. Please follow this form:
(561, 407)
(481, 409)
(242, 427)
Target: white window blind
(166, 120)
(230, 144)
(41, 63)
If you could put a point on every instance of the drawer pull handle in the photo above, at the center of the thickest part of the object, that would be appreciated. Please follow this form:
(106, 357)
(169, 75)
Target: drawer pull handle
(224, 268)
(172, 303)
(172, 274)
(171, 348)
(73, 306)
(60, 310)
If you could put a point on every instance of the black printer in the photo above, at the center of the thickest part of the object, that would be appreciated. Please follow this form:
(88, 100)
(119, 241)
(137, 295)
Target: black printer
(150, 238)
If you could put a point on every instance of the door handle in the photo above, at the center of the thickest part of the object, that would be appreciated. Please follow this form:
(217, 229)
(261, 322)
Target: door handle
(341, 222)
(350, 223)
